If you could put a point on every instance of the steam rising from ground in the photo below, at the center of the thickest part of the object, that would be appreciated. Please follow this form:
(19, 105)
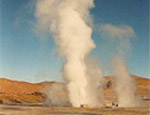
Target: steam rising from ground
(124, 85)
(57, 95)
(68, 21)
(96, 83)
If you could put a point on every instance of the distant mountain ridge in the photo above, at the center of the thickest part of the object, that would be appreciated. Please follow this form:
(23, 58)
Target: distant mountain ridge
(14, 87)
(14, 92)
(21, 87)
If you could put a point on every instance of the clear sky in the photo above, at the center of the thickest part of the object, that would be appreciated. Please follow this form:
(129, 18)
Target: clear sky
(23, 56)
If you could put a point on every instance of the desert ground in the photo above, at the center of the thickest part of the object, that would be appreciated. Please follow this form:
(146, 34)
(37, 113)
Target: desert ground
(43, 110)
(22, 98)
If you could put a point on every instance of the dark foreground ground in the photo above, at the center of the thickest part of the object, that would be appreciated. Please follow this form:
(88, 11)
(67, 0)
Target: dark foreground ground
(43, 110)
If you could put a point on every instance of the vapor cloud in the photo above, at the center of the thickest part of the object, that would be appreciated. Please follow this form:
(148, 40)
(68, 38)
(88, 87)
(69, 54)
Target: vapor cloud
(113, 31)
(68, 21)
(125, 86)
(121, 35)
(56, 95)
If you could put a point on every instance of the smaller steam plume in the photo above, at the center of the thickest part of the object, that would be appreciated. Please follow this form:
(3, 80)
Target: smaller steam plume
(56, 95)
(124, 85)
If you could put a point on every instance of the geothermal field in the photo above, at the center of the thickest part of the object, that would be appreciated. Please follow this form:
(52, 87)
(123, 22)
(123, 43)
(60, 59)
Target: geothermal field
(22, 98)
(84, 88)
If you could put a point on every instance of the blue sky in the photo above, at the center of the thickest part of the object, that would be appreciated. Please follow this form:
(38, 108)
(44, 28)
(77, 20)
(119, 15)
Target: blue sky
(23, 56)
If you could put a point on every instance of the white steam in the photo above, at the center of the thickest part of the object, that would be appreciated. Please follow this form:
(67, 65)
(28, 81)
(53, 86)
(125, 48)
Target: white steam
(68, 21)
(96, 82)
(124, 85)
(57, 95)
(118, 35)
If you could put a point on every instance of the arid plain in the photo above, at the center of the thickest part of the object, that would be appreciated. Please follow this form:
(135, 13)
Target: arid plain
(22, 98)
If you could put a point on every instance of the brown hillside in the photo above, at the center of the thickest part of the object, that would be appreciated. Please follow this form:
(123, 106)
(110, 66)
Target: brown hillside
(13, 87)
(19, 87)
(142, 84)
(23, 92)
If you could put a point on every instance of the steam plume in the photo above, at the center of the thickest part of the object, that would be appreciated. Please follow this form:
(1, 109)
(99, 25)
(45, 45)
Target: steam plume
(68, 21)
(124, 85)
(118, 35)
(57, 95)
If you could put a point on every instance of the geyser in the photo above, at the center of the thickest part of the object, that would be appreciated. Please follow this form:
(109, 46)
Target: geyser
(124, 84)
(68, 21)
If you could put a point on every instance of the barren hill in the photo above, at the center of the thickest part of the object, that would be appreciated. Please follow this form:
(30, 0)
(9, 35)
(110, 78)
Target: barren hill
(23, 92)
(142, 84)
(14, 87)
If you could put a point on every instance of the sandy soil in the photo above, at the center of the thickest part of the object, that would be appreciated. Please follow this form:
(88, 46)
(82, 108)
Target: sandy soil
(43, 110)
